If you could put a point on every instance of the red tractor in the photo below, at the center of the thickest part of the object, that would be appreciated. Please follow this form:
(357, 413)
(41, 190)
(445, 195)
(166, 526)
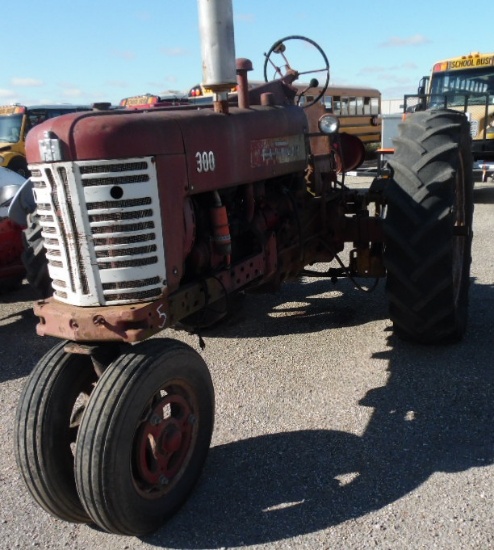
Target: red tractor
(159, 218)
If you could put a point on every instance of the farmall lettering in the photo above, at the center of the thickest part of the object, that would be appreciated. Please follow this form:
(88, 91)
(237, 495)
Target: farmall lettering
(277, 150)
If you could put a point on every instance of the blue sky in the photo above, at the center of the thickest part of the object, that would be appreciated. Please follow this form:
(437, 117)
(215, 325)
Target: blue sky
(85, 51)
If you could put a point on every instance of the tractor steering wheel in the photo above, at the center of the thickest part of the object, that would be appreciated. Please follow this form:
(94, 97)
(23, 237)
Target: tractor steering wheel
(284, 68)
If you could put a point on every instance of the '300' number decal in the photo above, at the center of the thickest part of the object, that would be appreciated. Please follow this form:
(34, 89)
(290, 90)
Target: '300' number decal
(205, 161)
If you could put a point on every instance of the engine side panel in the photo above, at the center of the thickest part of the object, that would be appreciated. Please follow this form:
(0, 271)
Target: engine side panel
(244, 146)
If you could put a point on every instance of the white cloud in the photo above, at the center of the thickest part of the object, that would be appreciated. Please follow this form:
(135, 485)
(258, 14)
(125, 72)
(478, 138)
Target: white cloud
(117, 83)
(373, 70)
(377, 70)
(398, 41)
(6, 93)
(174, 52)
(72, 92)
(127, 54)
(391, 77)
(26, 82)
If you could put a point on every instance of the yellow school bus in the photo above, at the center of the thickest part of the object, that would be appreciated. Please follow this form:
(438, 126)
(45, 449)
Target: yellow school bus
(464, 83)
(16, 121)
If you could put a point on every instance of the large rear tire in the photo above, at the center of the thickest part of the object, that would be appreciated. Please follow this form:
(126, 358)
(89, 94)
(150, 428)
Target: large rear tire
(428, 227)
(144, 437)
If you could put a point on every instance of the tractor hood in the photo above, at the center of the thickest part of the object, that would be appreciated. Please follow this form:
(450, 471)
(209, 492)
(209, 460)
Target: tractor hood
(246, 144)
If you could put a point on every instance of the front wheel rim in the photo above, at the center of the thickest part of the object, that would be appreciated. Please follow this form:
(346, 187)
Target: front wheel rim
(164, 441)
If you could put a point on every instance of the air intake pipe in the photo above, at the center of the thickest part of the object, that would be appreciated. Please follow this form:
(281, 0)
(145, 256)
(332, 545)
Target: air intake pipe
(217, 49)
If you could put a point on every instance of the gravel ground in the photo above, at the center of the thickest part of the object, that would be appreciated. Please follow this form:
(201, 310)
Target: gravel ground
(330, 433)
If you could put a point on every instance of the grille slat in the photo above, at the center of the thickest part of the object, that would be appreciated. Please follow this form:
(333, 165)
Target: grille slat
(117, 253)
(117, 204)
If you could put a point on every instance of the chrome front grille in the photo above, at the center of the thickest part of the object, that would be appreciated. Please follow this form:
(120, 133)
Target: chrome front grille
(102, 230)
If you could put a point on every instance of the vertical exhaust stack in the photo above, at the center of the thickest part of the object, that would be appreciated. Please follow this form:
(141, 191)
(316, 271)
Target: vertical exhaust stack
(218, 49)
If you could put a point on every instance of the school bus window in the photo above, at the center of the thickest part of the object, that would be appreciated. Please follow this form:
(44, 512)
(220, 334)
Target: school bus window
(328, 103)
(10, 128)
(337, 105)
(344, 106)
(352, 106)
(305, 99)
(374, 106)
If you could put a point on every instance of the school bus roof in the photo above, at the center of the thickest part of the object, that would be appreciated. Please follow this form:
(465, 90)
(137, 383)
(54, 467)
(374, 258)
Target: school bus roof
(11, 109)
(346, 90)
(473, 60)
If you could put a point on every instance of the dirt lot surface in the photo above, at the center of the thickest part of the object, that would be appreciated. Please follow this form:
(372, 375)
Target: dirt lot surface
(330, 433)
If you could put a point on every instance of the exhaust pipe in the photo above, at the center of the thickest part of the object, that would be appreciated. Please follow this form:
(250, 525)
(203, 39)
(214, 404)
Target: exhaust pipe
(217, 49)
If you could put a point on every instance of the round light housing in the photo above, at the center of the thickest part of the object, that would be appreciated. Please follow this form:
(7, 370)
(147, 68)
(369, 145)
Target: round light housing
(328, 124)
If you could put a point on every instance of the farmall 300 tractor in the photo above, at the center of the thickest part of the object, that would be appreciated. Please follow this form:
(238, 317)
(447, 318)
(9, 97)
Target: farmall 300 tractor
(154, 218)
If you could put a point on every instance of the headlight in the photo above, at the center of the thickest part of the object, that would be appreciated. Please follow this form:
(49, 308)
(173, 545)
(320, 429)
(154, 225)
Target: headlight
(328, 124)
(2, 160)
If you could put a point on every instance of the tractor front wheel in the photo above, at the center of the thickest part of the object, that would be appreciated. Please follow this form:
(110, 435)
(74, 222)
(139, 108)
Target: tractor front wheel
(144, 437)
(48, 418)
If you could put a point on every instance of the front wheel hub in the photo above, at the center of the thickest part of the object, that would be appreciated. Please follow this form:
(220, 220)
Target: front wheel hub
(163, 442)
